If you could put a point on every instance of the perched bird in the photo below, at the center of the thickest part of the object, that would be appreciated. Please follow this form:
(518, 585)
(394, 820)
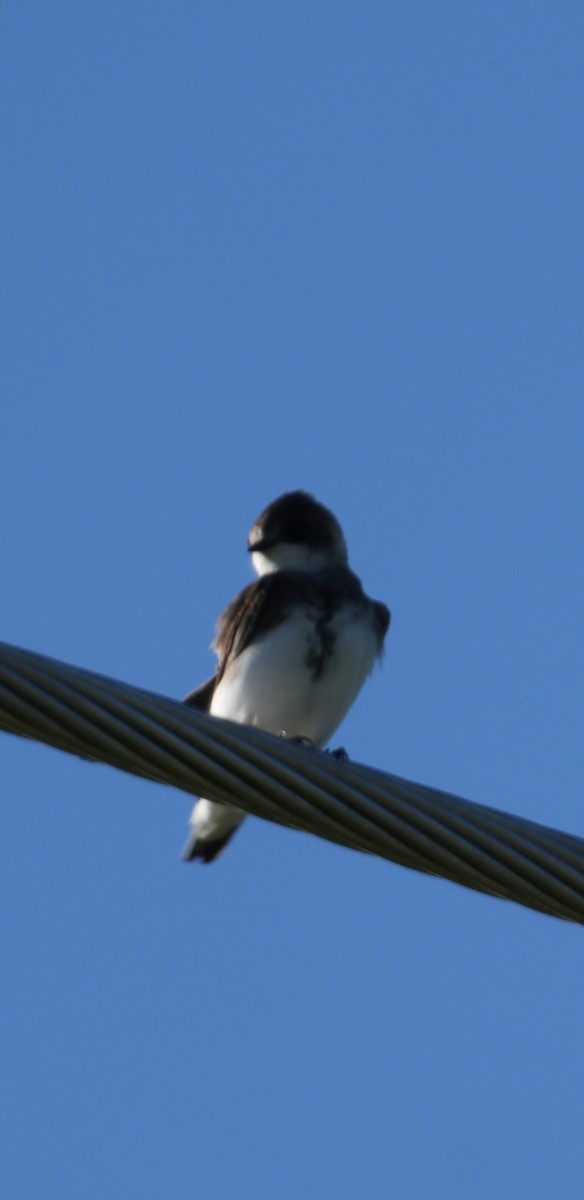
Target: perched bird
(294, 647)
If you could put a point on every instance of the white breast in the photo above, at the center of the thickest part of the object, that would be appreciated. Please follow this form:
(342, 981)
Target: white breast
(271, 685)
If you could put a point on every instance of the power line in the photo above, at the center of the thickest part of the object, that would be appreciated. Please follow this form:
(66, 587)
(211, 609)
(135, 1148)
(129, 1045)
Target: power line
(416, 826)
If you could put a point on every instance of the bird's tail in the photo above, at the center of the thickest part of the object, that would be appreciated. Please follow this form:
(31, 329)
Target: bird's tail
(206, 851)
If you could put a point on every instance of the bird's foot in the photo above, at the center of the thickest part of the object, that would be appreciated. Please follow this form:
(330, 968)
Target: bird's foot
(340, 754)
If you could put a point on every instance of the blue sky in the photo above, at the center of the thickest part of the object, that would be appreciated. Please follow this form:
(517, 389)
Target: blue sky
(247, 248)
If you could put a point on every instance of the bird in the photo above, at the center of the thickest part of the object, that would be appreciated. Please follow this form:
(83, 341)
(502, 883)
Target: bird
(294, 647)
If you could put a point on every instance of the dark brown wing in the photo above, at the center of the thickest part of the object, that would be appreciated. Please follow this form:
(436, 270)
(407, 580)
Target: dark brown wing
(382, 618)
(258, 608)
(247, 617)
(202, 696)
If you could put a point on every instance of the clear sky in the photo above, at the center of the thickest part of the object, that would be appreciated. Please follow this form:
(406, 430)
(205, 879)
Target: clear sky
(246, 248)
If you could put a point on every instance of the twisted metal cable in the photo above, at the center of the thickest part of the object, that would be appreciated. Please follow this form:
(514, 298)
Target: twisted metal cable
(416, 826)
